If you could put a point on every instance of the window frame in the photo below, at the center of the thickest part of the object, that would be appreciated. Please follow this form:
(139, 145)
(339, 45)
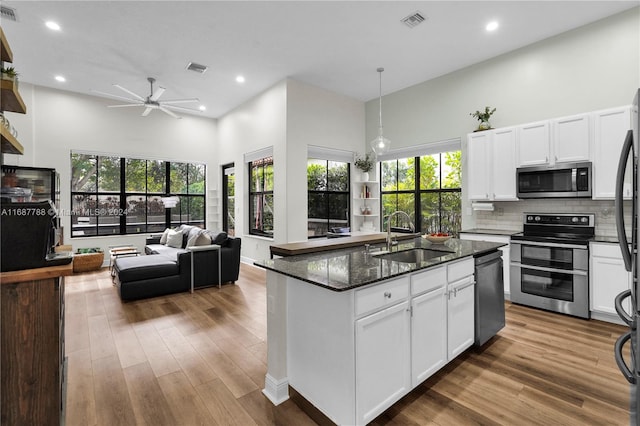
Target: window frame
(328, 193)
(121, 227)
(261, 195)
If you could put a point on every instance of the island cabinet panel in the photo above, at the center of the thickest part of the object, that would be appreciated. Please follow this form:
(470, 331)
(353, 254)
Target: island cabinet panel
(460, 316)
(379, 296)
(428, 334)
(382, 357)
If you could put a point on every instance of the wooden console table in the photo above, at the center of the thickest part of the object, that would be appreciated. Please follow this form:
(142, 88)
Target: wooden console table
(32, 369)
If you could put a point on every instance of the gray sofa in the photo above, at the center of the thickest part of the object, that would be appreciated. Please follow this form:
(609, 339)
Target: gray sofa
(165, 269)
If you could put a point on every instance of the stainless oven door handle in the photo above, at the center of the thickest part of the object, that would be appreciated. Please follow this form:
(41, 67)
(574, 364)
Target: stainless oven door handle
(545, 269)
(546, 244)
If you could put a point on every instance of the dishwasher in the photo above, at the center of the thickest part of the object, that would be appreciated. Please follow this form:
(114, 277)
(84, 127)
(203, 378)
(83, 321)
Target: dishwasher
(489, 296)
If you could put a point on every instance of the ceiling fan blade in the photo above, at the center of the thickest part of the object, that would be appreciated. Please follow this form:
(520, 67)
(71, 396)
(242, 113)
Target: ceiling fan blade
(129, 92)
(157, 93)
(179, 108)
(125, 105)
(179, 101)
(146, 111)
(120, 98)
(163, 109)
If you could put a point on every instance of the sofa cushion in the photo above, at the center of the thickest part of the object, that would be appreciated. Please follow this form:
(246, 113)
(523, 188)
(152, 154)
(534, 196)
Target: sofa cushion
(144, 268)
(165, 234)
(174, 239)
(166, 251)
(200, 238)
(217, 237)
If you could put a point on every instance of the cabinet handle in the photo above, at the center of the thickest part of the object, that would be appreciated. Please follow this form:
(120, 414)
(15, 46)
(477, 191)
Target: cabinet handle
(387, 294)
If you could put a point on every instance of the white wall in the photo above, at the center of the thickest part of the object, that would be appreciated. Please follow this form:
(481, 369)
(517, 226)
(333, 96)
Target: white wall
(288, 117)
(58, 122)
(593, 67)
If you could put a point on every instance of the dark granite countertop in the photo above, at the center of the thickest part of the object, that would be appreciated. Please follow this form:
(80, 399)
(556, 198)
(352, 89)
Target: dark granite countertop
(345, 269)
(505, 232)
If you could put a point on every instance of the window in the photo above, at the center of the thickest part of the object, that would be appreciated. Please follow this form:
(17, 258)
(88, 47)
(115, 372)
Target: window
(112, 195)
(328, 196)
(425, 187)
(229, 199)
(261, 196)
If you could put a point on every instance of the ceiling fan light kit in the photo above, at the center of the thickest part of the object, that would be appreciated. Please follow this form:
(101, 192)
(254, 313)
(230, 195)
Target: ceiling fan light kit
(151, 102)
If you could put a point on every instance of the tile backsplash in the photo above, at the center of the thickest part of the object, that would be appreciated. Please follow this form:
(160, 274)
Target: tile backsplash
(508, 215)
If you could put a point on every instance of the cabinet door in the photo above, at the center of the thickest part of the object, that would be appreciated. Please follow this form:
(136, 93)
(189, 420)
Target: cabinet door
(533, 144)
(571, 140)
(608, 277)
(503, 168)
(382, 360)
(478, 165)
(460, 316)
(428, 334)
(609, 130)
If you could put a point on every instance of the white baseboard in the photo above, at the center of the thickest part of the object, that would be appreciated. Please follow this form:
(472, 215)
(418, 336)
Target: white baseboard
(276, 390)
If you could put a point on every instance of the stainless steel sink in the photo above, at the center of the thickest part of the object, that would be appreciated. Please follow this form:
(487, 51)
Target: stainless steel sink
(413, 256)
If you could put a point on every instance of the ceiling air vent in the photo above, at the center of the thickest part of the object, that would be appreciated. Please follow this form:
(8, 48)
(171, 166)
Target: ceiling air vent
(196, 67)
(413, 20)
(8, 13)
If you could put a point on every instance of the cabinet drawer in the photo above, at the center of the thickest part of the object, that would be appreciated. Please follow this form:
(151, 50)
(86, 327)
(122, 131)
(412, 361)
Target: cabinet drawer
(428, 280)
(461, 269)
(606, 250)
(381, 295)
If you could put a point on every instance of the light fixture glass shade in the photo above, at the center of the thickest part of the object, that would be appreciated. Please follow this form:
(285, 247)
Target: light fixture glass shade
(380, 145)
(170, 202)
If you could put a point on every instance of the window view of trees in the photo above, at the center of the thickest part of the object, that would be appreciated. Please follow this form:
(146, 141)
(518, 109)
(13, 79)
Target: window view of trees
(113, 195)
(328, 196)
(229, 199)
(427, 188)
(261, 197)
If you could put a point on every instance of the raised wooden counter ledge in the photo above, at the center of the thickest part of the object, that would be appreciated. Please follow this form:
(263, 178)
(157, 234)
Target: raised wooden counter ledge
(36, 274)
(318, 245)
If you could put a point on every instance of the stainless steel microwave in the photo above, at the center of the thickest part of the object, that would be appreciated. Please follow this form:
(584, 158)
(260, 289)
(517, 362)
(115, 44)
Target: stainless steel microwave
(567, 180)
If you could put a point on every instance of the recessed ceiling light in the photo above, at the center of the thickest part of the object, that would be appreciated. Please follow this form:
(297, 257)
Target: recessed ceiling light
(240, 79)
(202, 108)
(52, 25)
(492, 26)
(60, 78)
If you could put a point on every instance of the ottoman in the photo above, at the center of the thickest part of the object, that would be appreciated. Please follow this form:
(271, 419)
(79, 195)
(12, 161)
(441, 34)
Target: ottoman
(147, 276)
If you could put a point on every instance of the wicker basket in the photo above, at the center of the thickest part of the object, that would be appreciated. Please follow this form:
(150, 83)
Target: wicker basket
(87, 261)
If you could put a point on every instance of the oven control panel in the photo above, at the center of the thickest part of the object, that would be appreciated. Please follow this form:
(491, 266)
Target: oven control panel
(563, 219)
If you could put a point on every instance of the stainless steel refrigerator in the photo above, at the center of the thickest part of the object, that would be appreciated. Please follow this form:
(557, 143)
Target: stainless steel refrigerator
(628, 163)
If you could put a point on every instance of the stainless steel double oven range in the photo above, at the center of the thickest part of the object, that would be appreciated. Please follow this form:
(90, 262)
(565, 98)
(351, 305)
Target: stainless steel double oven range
(550, 262)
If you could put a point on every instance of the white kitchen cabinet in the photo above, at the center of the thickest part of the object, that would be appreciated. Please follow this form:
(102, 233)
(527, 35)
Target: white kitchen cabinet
(506, 253)
(460, 316)
(608, 278)
(491, 165)
(366, 195)
(534, 142)
(428, 324)
(610, 127)
(382, 359)
(570, 141)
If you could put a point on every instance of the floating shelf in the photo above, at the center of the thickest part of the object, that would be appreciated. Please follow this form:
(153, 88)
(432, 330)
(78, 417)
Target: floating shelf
(11, 99)
(10, 144)
(6, 55)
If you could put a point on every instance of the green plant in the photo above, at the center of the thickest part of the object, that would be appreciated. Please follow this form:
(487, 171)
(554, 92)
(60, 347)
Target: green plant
(483, 116)
(365, 163)
(9, 71)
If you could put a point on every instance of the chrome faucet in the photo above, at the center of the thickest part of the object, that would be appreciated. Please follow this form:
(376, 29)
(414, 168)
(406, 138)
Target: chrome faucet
(389, 244)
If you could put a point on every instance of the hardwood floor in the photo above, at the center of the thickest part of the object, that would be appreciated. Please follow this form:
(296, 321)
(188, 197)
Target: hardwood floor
(200, 359)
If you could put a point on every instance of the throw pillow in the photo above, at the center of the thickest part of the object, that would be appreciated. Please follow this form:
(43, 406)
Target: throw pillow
(174, 239)
(163, 238)
(198, 239)
(218, 237)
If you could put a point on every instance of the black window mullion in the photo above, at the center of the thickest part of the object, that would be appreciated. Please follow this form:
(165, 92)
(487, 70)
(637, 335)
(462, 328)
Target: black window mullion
(123, 196)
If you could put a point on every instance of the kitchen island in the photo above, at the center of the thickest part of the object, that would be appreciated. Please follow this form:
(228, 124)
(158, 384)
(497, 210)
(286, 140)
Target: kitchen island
(352, 330)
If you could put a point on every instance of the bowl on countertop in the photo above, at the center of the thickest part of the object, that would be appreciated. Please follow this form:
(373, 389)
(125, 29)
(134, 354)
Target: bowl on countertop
(436, 239)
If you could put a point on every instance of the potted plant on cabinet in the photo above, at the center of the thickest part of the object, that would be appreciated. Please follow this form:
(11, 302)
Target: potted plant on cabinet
(483, 118)
(365, 165)
(10, 74)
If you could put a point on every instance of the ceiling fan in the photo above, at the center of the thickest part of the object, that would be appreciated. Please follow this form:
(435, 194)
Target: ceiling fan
(151, 102)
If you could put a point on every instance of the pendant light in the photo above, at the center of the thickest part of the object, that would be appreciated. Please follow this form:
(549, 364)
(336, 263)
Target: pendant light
(380, 145)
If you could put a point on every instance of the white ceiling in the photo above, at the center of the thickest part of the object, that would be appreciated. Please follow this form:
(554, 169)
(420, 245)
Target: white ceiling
(336, 45)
